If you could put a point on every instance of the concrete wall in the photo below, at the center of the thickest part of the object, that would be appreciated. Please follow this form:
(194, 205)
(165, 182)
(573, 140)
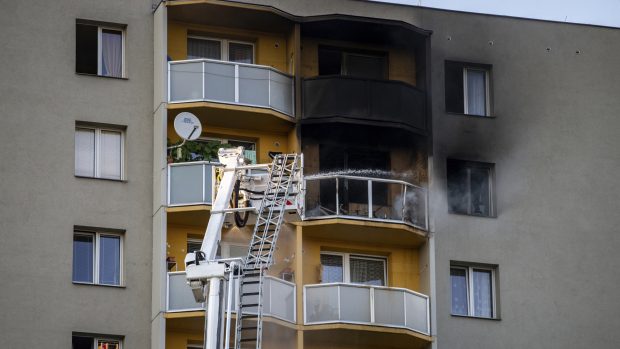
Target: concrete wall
(554, 144)
(41, 97)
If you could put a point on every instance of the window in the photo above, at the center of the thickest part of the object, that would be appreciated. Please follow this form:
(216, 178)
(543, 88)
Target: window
(470, 188)
(468, 88)
(361, 64)
(220, 49)
(351, 268)
(100, 49)
(85, 341)
(473, 290)
(249, 147)
(99, 152)
(193, 244)
(97, 257)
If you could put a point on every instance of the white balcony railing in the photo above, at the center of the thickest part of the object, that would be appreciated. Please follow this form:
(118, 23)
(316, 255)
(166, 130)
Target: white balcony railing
(366, 305)
(229, 82)
(365, 198)
(278, 297)
(190, 183)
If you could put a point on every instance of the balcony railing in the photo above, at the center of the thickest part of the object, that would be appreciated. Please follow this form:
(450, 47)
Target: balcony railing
(364, 100)
(232, 83)
(364, 198)
(366, 305)
(278, 297)
(190, 183)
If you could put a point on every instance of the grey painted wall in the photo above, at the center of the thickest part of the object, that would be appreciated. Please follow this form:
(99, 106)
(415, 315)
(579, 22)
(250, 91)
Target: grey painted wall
(41, 200)
(554, 142)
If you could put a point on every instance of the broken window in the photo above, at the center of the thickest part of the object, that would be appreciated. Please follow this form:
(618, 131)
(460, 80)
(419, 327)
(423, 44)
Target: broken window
(470, 188)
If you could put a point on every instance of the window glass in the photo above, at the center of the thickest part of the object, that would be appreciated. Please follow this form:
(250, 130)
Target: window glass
(332, 270)
(204, 48)
(476, 92)
(85, 152)
(458, 280)
(79, 342)
(110, 154)
(83, 256)
(479, 192)
(483, 298)
(109, 260)
(108, 344)
(367, 271)
(193, 245)
(111, 53)
(240, 53)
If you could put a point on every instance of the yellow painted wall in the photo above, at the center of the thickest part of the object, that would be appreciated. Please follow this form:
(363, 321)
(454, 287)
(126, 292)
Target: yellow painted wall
(177, 242)
(401, 61)
(403, 270)
(180, 340)
(270, 49)
(265, 141)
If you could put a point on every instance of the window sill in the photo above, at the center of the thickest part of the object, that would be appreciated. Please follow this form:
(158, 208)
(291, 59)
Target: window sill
(102, 76)
(102, 178)
(472, 115)
(102, 285)
(471, 215)
(476, 317)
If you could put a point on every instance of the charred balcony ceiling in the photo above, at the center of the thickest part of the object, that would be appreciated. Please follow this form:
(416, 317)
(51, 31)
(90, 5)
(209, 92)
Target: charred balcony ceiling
(364, 30)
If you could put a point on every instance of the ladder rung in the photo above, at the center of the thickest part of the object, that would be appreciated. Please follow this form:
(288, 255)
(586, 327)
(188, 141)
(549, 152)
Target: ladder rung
(249, 328)
(251, 282)
(249, 294)
(249, 316)
(247, 339)
(249, 305)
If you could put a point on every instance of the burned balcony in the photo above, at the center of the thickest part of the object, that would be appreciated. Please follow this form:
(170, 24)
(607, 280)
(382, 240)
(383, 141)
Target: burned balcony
(250, 85)
(364, 101)
(365, 198)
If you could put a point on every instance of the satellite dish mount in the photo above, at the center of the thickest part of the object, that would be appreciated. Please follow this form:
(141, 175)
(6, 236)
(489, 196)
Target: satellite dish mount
(187, 126)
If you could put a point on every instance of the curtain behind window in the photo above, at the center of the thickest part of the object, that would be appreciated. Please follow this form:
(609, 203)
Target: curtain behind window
(112, 53)
(483, 299)
(476, 92)
(203, 48)
(331, 268)
(110, 155)
(367, 271)
(240, 53)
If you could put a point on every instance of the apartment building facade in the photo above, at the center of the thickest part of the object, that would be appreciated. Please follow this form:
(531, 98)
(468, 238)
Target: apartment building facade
(459, 172)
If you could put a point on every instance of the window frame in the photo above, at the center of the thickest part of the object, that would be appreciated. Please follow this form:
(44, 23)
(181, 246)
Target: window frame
(96, 254)
(487, 94)
(96, 338)
(100, 29)
(97, 150)
(346, 265)
(469, 272)
(469, 165)
(224, 47)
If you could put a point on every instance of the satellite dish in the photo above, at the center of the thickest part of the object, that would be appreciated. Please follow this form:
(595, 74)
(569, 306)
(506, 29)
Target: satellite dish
(187, 126)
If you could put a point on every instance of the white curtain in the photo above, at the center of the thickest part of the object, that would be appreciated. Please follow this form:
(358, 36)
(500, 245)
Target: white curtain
(483, 298)
(112, 53)
(476, 92)
(367, 271)
(85, 152)
(202, 48)
(331, 268)
(110, 155)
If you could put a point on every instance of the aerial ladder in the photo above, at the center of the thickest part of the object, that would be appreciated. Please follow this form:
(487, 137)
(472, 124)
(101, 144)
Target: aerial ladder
(211, 278)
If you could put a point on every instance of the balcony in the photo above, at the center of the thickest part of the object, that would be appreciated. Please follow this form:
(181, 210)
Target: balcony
(206, 80)
(190, 183)
(278, 297)
(366, 305)
(364, 101)
(364, 198)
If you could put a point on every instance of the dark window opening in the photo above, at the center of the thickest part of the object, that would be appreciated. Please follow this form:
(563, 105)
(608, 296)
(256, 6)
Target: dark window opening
(470, 188)
(86, 49)
(360, 64)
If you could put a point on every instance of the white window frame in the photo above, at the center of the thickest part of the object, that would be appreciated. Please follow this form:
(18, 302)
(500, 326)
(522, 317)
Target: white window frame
(96, 267)
(469, 272)
(97, 150)
(346, 265)
(224, 46)
(100, 30)
(487, 106)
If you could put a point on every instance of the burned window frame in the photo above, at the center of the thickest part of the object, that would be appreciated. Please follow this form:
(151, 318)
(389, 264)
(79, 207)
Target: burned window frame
(467, 165)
